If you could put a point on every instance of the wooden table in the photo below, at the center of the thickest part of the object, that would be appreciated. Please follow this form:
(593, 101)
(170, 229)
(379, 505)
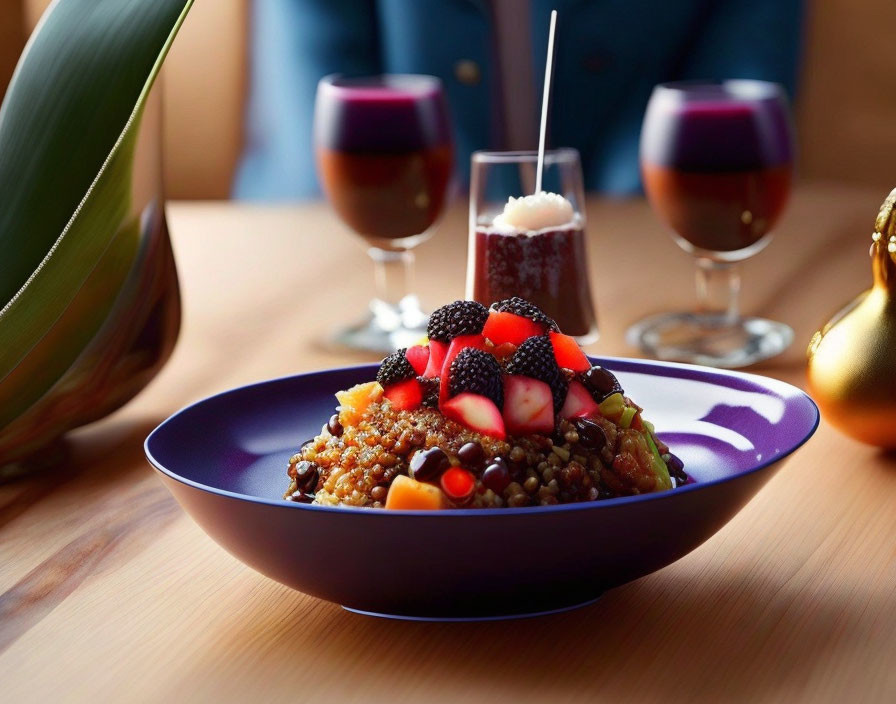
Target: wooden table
(109, 592)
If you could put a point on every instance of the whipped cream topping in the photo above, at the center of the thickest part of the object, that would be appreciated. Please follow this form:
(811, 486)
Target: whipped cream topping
(536, 212)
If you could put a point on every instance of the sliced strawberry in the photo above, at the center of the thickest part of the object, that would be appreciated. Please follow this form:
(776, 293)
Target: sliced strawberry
(437, 352)
(405, 395)
(418, 356)
(568, 353)
(579, 403)
(476, 412)
(509, 327)
(457, 344)
(528, 405)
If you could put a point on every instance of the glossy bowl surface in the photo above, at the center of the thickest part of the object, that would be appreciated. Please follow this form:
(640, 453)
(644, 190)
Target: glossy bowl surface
(225, 457)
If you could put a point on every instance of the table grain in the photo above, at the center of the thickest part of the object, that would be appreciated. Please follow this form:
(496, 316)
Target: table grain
(109, 592)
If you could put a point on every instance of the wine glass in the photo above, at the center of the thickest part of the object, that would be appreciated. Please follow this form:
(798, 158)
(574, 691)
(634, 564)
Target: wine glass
(717, 161)
(548, 267)
(385, 157)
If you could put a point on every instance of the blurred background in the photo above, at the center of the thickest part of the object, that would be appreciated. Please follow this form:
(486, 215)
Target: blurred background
(844, 102)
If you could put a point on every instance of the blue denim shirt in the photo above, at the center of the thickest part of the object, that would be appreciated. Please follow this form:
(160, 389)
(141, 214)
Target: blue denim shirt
(610, 53)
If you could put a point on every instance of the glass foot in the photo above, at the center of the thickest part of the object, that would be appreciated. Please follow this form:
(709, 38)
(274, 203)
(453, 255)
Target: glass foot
(710, 339)
(387, 327)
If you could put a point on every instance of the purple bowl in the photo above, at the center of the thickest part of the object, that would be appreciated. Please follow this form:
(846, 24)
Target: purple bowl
(224, 459)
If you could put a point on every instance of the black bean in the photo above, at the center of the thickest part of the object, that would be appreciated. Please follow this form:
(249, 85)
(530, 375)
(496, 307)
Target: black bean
(307, 474)
(591, 435)
(429, 464)
(496, 477)
(334, 426)
(601, 383)
(471, 454)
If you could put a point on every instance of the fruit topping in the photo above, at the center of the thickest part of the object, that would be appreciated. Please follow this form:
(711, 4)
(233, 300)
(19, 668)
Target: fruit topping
(476, 412)
(458, 484)
(418, 356)
(509, 328)
(394, 369)
(458, 344)
(528, 406)
(600, 382)
(354, 401)
(334, 427)
(437, 352)
(405, 395)
(524, 309)
(535, 359)
(496, 476)
(471, 454)
(458, 318)
(578, 402)
(430, 391)
(478, 372)
(429, 464)
(410, 495)
(568, 353)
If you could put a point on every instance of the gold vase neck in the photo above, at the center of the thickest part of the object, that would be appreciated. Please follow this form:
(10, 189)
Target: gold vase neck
(883, 246)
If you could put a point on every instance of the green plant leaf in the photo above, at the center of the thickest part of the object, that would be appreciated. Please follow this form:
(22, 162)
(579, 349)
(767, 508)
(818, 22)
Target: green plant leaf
(67, 134)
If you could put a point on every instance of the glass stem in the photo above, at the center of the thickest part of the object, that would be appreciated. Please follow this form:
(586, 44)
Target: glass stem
(393, 271)
(718, 288)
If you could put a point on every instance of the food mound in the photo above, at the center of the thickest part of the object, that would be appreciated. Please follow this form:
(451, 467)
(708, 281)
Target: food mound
(499, 409)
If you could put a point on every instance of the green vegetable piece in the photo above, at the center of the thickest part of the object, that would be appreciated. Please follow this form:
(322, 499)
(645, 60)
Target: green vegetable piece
(628, 414)
(659, 468)
(612, 405)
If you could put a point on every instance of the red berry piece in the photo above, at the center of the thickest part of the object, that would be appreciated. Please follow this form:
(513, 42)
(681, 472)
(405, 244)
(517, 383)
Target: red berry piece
(405, 395)
(528, 406)
(437, 352)
(475, 412)
(568, 353)
(458, 484)
(502, 328)
(418, 357)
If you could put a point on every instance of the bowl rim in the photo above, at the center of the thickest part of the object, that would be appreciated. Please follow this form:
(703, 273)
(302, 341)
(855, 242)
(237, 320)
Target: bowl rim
(768, 383)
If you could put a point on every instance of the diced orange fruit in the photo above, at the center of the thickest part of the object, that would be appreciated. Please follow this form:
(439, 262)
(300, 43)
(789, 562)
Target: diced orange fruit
(354, 401)
(568, 353)
(410, 495)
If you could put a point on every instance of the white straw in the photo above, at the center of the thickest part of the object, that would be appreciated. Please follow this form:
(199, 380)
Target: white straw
(544, 102)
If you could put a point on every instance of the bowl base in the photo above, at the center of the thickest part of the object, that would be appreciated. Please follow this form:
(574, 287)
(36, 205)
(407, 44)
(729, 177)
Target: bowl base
(473, 619)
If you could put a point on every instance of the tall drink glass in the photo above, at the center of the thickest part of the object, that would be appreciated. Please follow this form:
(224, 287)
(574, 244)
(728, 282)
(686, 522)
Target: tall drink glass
(549, 266)
(385, 156)
(717, 160)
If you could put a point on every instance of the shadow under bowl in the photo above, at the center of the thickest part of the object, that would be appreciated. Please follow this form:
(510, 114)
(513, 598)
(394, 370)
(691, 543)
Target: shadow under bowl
(225, 458)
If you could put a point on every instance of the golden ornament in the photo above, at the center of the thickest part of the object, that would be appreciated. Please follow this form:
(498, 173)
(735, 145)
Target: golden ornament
(852, 359)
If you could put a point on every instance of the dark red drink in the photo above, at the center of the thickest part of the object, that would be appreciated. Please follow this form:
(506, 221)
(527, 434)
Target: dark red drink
(719, 211)
(548, 268)
(384, 153)
(717, 160)
(387, 195)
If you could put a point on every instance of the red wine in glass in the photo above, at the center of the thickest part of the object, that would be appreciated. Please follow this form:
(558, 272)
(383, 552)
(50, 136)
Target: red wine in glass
(385, 158)
(717, 161)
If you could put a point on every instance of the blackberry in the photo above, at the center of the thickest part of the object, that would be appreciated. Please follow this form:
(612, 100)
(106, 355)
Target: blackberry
(395, 368)
(478, 372)
(458, 318)
(600, 383)
(430, 390)
(522, 307)
(535, 358)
